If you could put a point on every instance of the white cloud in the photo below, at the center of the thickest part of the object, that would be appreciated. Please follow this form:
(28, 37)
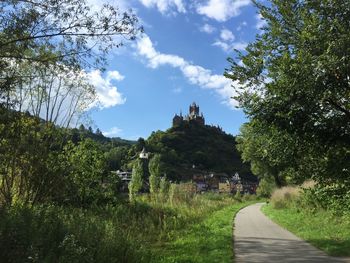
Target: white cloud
(241, 25)
(223, 45)
(226, 42)
(114, 75)
(146, 49)
(107, 94)
(222, 10)
(195, 74)
(207, 28)
(112, 132)
(164, 6)
(230, 46)
(227, 35)
(260, 22)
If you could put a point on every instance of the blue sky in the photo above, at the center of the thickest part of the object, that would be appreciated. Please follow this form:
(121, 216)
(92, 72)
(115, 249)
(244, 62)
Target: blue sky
(179, 59)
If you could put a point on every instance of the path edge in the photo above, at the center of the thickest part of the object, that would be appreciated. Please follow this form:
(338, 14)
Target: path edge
(233, 227)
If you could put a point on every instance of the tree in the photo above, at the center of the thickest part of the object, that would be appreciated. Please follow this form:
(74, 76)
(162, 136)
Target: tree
(136, 179)
(55, 94)
(164, 186)
(45, 49)
(31, 170)
(155, 169)
(87, 171)
(295, 78)
(66, 33)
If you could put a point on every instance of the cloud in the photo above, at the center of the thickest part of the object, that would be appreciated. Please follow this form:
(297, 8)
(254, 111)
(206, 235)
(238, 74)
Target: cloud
(164, 6)
(207, 28)
(177, 90)
(227, 35)
(222, 10)
(228, 46)
(226, 41)
(112, 132)
(145, 48)
(107, 94)
(260, 22)
(241, 25)
(195, 74)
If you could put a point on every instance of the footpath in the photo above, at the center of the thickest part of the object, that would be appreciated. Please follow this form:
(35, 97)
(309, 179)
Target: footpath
(258, 239)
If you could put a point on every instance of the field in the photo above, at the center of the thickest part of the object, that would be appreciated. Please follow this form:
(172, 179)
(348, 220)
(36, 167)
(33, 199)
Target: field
(151, 229)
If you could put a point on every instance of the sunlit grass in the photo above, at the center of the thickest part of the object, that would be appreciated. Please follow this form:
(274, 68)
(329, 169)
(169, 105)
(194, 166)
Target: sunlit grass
(209, 240)
(321, 228)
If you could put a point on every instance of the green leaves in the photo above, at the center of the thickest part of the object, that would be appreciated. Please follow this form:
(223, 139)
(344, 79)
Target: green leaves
(295, 78)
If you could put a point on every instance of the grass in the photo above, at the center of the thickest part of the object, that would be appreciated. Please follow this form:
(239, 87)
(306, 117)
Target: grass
(323, 229)
(207, 241)
(175, 228)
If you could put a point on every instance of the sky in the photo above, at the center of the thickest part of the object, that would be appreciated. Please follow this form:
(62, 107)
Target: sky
(179, 59)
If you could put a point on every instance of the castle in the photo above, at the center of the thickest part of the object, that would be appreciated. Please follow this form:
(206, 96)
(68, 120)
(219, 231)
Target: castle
(193, 116)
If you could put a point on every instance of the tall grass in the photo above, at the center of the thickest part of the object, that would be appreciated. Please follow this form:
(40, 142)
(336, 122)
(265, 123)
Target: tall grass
(123, 232)
(300, 211)
(285, 197)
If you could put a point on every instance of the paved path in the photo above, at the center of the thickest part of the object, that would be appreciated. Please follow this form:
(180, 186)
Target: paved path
(258, 239)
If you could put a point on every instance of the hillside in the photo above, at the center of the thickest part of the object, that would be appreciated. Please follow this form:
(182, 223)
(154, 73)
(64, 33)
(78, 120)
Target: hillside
(190, 147)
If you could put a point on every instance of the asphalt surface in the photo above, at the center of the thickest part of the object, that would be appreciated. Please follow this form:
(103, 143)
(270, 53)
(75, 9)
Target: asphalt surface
(258, 239)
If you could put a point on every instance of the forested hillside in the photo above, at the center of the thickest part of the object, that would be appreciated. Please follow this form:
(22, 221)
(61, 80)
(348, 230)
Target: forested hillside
(191, 147)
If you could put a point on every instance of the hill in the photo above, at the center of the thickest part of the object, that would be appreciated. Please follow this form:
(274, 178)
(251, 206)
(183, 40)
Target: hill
(191, 147)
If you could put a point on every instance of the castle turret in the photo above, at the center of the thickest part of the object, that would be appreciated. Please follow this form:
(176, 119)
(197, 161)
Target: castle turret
(194, 109)
(193, 116)
(177, 120)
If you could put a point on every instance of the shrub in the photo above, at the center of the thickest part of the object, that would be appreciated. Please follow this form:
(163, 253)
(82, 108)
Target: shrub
(266, 187)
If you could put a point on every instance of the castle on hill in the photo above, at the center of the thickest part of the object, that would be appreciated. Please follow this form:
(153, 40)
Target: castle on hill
(193, 116)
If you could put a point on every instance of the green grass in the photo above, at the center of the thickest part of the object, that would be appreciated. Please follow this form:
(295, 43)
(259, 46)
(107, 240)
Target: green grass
(207, 241)
(183, 228)
(324, 230)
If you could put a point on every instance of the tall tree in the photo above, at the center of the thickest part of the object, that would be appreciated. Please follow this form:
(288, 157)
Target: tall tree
(136, 179)
(155, 169)
(295, 77)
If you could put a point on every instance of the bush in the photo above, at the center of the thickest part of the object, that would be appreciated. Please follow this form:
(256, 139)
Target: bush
(266, 187)
(56, 234)
(285, 197)
(333, 197)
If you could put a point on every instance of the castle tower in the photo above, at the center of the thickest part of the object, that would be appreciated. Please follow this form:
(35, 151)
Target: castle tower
(194, 109)
(177, 120)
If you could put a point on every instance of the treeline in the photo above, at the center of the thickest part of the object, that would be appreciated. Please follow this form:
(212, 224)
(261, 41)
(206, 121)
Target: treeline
(293, 84)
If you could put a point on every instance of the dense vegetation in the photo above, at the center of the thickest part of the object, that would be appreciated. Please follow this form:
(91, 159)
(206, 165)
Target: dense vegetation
(293, 84)
(191, 147)
(147, 230)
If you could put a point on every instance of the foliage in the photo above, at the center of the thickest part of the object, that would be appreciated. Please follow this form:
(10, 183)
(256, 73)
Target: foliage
(88, 177)
(293, 84)
(155, 169)
(164, 186)
(136, 182)
(61, 31)
(63, 234)
(30, 166)
(204, 147)
(266, 187)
